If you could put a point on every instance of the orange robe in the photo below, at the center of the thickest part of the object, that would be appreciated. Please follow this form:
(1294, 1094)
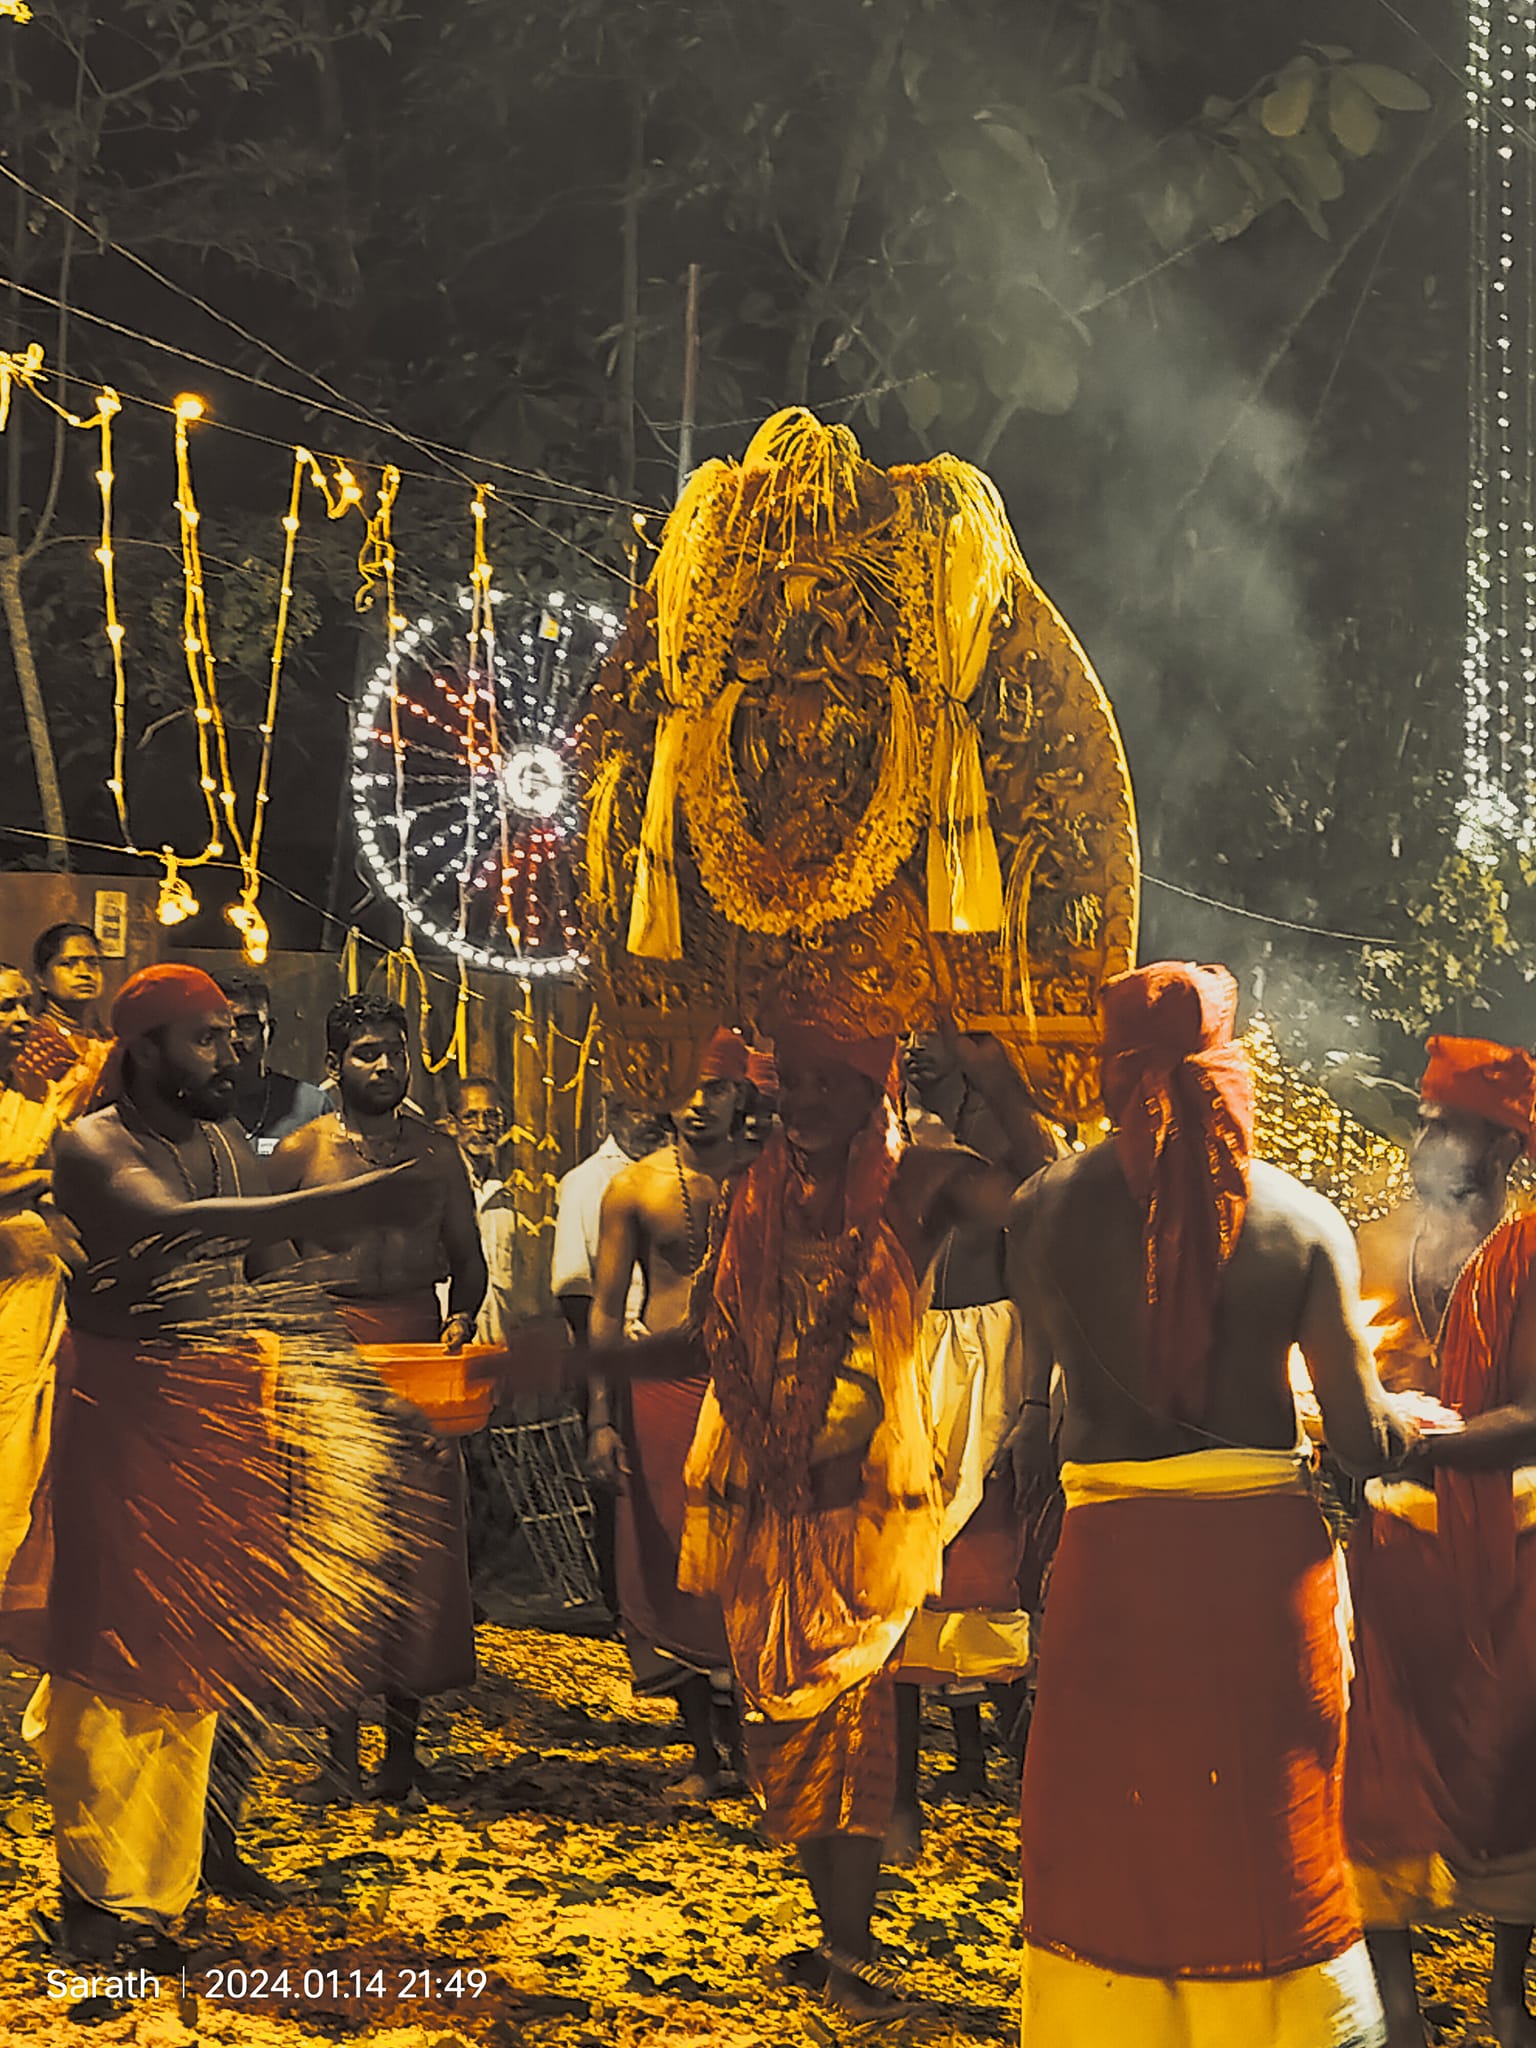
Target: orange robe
(1441, 1794)
(816, 1600)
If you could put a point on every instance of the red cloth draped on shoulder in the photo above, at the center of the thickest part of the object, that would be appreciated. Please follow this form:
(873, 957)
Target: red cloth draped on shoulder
(1477, 1509)
(1180, 1093)
(743, 1310)
(1445, 1692)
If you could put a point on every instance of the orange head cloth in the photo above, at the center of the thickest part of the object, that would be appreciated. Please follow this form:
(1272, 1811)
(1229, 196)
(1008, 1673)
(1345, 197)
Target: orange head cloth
(873, 1057)
(147, 1000)
(725, 1058)
(762, 1072)
(1497, 1082)
(1181, 1096)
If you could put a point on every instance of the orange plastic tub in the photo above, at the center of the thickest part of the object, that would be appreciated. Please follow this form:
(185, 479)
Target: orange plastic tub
(453, 1390)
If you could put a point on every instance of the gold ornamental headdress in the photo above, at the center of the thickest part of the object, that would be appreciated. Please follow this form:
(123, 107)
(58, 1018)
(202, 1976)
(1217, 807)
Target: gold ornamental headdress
(847, 751)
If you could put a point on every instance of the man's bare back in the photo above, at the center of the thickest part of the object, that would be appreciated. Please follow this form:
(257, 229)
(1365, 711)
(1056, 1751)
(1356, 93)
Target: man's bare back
(395, 1259)
(1077, 1258)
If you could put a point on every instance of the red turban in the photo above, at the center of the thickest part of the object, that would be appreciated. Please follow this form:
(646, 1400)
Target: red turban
(153, 997)
(725, 1058)
(1493, 1081)
(763, 1072)
(1181, 1096)
(873, 1057)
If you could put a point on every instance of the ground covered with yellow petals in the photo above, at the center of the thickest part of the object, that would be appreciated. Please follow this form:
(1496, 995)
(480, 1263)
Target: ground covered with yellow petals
(551, 1891)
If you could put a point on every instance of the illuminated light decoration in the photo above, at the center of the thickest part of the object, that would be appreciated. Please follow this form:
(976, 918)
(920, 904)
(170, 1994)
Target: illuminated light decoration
(1498, 805)
(208, 715)
(177, 903)
(534, 780)
(15, 10)
(476, 852)
(246, 915)
(1300, 1127)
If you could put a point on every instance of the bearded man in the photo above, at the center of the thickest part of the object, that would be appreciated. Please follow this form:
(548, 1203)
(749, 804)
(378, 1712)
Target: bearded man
(813, 1506)
(1183, 1859)
(384, 1286)
(1440, 1797)
(156, 1550)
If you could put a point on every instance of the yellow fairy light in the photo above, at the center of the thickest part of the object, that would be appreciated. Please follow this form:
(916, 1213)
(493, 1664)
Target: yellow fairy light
(108, 406)
(177, 903)
(245, 915)
(219, 794)
(15, 10)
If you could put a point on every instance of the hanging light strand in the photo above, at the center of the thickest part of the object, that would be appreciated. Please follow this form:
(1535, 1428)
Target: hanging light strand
(246, 915)
(1498, 806)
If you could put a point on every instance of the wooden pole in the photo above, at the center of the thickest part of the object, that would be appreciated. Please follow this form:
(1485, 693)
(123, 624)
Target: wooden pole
(690, 380)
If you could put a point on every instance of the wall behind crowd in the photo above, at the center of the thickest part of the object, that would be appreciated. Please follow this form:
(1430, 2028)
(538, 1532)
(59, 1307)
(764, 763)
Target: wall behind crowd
(529, 1040)
(532, 1041)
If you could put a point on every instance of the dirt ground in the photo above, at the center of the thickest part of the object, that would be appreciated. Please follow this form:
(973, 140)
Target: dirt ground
(554, 1894)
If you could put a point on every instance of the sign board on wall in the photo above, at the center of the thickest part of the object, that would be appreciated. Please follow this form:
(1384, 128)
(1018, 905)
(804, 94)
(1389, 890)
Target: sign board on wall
(111, 923)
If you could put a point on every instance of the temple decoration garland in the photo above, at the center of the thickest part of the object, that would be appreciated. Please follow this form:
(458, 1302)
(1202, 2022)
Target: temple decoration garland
(847, 754)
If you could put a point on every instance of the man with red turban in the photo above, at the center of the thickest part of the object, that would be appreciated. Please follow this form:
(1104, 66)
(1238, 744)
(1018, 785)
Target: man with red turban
(814, 1512)
(655, 1216)
(1184, 1871)
(1440, 1795)
(156, 1546)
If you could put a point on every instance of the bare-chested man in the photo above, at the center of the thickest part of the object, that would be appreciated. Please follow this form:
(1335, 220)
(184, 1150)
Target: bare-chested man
(972, 1633)
(1184, 1869)
(656, 1216)
(384, 1285)
(164, 1500)
(1440, 1794)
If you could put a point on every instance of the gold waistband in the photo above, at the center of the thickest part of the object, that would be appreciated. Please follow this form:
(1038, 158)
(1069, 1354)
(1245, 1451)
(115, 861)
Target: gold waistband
(1197, 1475)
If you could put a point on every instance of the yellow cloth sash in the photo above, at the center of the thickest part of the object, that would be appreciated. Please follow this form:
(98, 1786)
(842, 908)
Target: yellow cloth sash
(1227, 1474)
(1406, 1501)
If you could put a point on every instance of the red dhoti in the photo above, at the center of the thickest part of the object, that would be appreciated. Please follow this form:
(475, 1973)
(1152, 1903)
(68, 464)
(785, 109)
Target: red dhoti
(171, 1577)
(1440, 1796)
(1184, 1871)
(658, 1419)
(433, 1649)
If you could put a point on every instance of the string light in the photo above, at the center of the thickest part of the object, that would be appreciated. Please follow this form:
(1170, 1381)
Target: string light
(449, 843)
(212, 739)
(1499, 664)
(246, 915)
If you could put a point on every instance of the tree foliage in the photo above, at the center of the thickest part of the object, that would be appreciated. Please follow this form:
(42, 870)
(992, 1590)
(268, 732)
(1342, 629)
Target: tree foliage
(1183, 276)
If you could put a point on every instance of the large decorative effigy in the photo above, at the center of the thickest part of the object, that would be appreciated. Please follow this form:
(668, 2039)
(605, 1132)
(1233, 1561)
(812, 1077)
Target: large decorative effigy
(847, 755)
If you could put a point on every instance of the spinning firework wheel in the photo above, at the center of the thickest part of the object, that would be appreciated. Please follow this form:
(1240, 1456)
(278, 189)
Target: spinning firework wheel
(463, 790)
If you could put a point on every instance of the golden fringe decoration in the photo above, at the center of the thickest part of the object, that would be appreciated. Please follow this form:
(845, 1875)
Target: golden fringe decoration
(602, 883)
(978, 563)
(749, 883)
(655, 920)
(679, 574)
